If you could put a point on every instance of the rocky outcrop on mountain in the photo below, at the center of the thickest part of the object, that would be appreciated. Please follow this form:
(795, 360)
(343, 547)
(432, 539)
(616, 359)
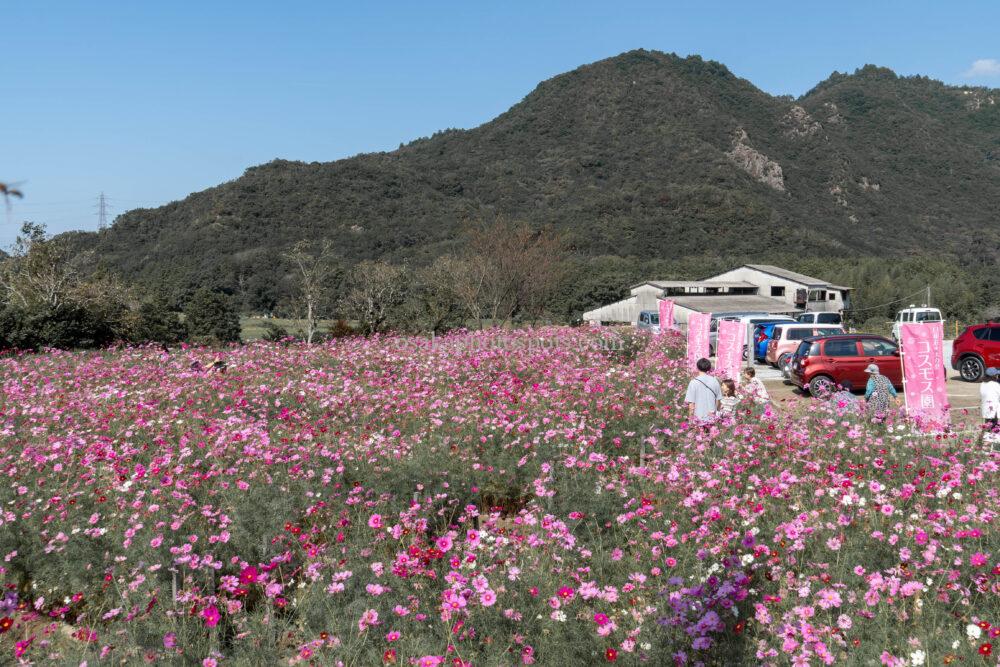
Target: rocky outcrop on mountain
(755, 163)
(799, 123)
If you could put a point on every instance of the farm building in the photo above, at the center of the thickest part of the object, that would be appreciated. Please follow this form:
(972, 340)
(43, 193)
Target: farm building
(748, 288)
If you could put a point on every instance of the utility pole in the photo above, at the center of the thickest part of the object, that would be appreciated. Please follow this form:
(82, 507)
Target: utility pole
(102, 211)
(928, 296)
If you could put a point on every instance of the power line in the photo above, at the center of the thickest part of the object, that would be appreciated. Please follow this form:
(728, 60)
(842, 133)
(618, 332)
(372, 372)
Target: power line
(889, 303)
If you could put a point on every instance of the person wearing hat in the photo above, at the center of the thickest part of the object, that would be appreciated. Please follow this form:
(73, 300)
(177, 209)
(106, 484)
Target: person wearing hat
(989, 398)
(879, 393)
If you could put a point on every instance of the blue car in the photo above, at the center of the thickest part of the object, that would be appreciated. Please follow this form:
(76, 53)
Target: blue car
(761, 336)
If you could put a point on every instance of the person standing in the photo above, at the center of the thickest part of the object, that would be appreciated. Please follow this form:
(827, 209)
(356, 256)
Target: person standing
(989, 399)
(703, 393)
(879, 393)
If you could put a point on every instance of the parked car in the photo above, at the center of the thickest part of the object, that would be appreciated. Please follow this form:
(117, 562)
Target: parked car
(819, 364)
(975, 350)
(649, 320)
(754, 318)
(914, 314)
(819, 318)
(762, 335)
(786, 339)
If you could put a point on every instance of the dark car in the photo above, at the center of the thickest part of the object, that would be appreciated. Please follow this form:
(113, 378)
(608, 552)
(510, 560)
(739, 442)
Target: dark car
(975, 350)
(820, 363)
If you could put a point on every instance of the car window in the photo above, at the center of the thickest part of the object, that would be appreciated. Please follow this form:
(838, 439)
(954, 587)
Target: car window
(873, 347)
(928, 316)
(829, 318)
(994, 334)
(654, 318)
(799, 334)
(807, 349)
(715, 325)
(841, 348)
(982, 334)
(828, 332)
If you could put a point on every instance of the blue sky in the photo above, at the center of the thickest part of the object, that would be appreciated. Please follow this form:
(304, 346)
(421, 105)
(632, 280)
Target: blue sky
(150, 101)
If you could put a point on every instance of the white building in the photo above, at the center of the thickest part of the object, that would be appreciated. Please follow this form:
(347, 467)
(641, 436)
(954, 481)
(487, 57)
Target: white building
(804, 292)
(748, 288)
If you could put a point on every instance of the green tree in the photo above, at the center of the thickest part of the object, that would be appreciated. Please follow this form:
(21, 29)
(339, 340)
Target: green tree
(155, 321)
(212, 317)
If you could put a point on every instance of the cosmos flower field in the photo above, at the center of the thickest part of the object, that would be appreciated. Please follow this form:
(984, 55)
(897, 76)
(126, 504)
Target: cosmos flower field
(491, 498)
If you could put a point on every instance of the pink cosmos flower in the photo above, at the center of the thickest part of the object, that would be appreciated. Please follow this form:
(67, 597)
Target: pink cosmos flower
(978, 559)
(375, 521)
(829, 598)
(368, 619)
(211, 616)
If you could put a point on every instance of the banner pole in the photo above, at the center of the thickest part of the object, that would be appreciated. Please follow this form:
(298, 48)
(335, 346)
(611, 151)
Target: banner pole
(902, 363)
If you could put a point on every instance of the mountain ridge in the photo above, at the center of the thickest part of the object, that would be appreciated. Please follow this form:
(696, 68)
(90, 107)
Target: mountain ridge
(642, 156)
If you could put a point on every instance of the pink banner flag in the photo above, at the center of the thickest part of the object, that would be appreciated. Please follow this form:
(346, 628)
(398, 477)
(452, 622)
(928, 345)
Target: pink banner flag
(729, 348)
(923, 373)
(666, 315)
(698, 345)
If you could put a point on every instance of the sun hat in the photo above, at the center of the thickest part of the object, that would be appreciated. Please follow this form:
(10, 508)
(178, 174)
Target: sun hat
(872, 369)
(993, 372)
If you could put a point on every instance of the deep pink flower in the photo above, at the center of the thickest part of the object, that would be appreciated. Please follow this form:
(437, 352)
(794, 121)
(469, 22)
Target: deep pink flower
(211, 616)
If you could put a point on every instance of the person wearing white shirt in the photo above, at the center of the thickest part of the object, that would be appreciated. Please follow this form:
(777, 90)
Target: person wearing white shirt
(989, 396)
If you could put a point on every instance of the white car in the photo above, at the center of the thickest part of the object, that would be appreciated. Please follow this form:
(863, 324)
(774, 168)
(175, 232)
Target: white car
(914, 314)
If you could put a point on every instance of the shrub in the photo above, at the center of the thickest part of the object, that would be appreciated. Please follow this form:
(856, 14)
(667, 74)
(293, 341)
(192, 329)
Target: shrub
(212, 317)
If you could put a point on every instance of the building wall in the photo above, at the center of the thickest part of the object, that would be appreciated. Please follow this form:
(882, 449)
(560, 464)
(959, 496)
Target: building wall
(626, 310)
(647, 296)
(681, 316)
(766, 281)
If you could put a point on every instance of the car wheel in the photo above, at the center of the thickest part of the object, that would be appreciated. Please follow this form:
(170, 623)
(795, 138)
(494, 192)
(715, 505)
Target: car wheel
(785, 364)
(744, 353)
(971, 369)
(820, 385)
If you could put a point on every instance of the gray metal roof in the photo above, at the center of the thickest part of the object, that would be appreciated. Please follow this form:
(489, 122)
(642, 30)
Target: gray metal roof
(737, 302)
(789, 275)
(663, 284)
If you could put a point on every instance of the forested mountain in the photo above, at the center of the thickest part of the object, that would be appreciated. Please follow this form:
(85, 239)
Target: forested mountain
(643, 160)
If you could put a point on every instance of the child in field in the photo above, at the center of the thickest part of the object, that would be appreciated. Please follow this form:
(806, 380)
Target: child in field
(727, 403)
(752, 388)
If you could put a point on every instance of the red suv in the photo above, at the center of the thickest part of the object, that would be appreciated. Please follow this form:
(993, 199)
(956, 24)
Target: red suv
(977, 349)
(821, 362)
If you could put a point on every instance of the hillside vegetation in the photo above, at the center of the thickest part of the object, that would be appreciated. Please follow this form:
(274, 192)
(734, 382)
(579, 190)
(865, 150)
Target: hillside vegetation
(649, 164)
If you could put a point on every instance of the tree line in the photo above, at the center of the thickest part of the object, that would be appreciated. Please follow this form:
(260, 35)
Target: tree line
(500, 272)
(505, 271)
